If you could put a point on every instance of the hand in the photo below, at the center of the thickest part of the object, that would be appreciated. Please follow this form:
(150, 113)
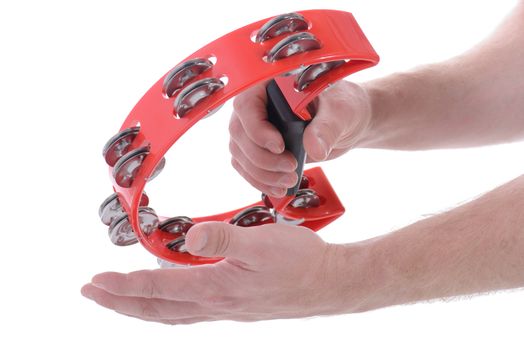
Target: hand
(257, 148)
(270, 271)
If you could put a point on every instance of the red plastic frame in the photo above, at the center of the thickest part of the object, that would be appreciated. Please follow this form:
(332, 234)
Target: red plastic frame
(240, 59)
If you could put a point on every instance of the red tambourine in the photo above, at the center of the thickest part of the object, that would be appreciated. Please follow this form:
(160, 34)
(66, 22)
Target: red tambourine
(298, 55)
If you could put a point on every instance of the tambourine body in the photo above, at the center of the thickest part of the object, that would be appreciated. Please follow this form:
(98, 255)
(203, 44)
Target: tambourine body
(300, 53)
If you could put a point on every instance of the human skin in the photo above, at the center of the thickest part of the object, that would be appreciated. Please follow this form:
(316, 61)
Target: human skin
(280, 271)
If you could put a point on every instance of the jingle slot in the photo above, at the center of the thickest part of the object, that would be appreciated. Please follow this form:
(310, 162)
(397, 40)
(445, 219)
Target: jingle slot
(111, 208)
(183, 73)
(253, 216)
(305, 198)
(311, 73)
(176, 225)
(192, 94)
(119, 144)
(127, 167)
(292, 45)
(286, 23)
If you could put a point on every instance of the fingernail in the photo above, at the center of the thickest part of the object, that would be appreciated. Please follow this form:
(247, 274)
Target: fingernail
(288, 180)
(278, 192)
(273, 147)
(200, 241)
(286, 165)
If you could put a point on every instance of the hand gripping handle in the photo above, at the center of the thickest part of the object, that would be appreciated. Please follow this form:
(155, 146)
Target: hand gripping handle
(291, 127)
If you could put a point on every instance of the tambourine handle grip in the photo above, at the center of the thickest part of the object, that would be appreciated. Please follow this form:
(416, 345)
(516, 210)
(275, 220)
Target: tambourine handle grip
(291, 127)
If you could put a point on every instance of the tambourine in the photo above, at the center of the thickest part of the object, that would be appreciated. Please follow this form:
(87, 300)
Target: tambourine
(298, 55)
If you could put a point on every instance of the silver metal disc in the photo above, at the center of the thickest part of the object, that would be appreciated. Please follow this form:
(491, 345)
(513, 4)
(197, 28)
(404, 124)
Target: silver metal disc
(305, 198)
(121, 233)
(127, 167)
(313, 72)
(192, 94)
(111, 208)
(177, 245)
(287, 23)
(119, 144)
(148, 220)
(292, 45)
(176, 225)
(253, 216)
(158, 169)
(183, 73)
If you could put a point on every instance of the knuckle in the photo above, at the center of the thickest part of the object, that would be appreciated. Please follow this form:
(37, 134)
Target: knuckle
(223, 240)
(234, 126)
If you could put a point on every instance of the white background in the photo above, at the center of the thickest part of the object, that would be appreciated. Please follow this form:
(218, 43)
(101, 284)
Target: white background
(70, 72)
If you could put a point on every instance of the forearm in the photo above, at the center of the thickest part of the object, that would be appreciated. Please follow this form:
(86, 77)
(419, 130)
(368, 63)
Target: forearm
(473, 99)
(475, 248)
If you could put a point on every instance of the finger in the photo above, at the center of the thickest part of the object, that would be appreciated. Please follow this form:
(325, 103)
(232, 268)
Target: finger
(325, 129)
(191, 284)
(144, 308)
(272, 190)
(250, 107)
(270, 178)
(259, 156)
(220, 239)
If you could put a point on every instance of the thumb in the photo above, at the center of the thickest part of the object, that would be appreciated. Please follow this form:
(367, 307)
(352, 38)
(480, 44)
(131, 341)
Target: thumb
(323, 132)
(218, 239)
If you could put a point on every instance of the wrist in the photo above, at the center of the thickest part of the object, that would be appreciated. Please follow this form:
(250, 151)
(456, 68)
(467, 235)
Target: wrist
(375, 97)
(359, 278)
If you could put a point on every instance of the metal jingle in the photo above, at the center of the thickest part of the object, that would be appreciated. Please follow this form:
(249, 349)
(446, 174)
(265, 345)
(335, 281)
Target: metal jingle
(267, 201)
(305, 198)
(176, 225)
(194, 93)
(286, 23)
(281, 219)
(183, 73)
(158, 169)
(164, 264)
(253, 216)
(313, 72)
(121, 232)
(119, 144)
(111, 208)
(127, 167)
(177, 245)
(304, 182)
(148, 220)
(292, 45)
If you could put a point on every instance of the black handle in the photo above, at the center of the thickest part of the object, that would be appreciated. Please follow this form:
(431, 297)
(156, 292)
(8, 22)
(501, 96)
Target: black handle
(290, 126)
